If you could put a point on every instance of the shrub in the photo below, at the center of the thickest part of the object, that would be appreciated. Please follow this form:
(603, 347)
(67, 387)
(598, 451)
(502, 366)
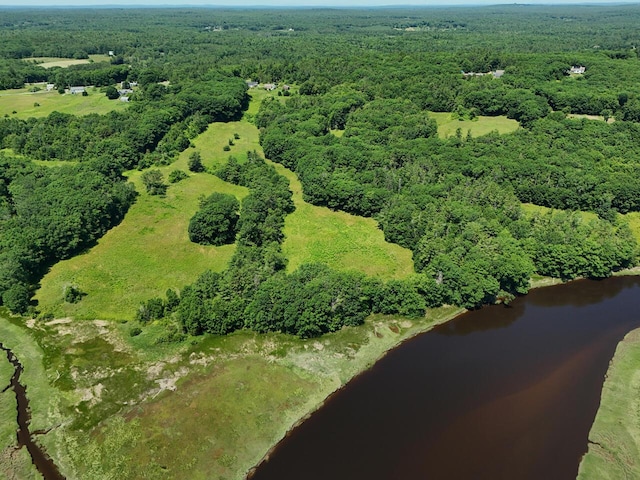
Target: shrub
(177, 175)
(135, 331)
(154, 182)
(195, 162)
(73, 294)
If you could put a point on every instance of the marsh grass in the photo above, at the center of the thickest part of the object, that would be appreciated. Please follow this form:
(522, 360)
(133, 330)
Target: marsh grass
(614, 439)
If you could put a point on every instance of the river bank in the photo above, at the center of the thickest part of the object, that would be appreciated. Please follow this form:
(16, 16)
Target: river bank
(216, 407)
(614, 439)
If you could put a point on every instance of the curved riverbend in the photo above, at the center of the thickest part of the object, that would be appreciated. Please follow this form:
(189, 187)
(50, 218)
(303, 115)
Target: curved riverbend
(499, 393)
(39, 457)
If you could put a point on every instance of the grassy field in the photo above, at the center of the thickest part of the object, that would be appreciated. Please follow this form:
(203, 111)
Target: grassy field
(447, 125)
(146, 254)
(341, 240)
(614, 440)
(24, 103)
(531, 209)
(49, 62)
(150, 252)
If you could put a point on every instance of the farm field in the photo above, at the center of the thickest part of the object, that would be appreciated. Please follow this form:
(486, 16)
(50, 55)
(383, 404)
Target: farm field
(23, 103)
(447, 125)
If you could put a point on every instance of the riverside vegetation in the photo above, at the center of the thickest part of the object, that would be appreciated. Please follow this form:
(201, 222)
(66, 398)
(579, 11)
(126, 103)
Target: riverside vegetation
(97, 210)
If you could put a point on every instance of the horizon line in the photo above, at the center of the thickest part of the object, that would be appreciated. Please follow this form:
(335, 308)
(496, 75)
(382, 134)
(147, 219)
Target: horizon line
(289, 6)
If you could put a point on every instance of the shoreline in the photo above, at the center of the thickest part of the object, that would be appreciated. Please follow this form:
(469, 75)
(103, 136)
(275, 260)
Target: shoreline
(534, 284)
(613, 449)
(365, 366)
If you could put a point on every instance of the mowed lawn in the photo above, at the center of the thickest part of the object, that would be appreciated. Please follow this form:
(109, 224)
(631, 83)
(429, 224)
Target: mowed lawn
(447, 125)
(146, 254)
(24, 103)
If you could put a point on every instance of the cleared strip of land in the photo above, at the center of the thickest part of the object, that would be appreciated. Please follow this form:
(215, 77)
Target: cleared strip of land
(50, 62)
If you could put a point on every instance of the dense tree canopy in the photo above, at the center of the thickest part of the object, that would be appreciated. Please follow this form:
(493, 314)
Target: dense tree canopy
(215, 222)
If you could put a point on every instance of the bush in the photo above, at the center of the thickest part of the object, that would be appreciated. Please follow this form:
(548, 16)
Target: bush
(195, 162)
(226, 148)
(154, 182)
(73, 294)
(177, 175)
(135, 331)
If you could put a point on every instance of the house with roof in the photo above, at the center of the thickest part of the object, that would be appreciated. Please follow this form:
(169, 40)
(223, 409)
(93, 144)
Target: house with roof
(252, 84)
(578, 70)
(77, 90)
(269, 86)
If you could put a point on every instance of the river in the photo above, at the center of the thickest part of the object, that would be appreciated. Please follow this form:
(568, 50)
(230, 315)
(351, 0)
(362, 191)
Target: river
(39, 457)
(497, 393)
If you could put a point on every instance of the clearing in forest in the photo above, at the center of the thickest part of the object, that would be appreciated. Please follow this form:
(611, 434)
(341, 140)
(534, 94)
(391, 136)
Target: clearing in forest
(481, 125)
(146, 254)
(50, 62)
(28, 104)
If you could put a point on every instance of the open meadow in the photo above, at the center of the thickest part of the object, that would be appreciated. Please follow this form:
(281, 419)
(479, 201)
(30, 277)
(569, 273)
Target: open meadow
(28, 104)
(146, 254)
(448, 124)
(150, 250)
(50, 62)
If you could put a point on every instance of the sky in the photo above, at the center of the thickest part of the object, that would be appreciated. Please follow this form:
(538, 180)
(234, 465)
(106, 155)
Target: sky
(288, 3)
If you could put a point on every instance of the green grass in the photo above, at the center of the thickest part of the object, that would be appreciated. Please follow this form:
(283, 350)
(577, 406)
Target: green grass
(45, 402)
(49, 62)
(341, 240)
(245, 393)
(150, 252)
(614, 439)
(23, 103)
(146, 254)
(531, 209)
(7, 405)
(447, 125)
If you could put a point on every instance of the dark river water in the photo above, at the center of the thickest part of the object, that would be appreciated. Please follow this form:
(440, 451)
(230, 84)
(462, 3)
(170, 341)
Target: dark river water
(498, 393)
